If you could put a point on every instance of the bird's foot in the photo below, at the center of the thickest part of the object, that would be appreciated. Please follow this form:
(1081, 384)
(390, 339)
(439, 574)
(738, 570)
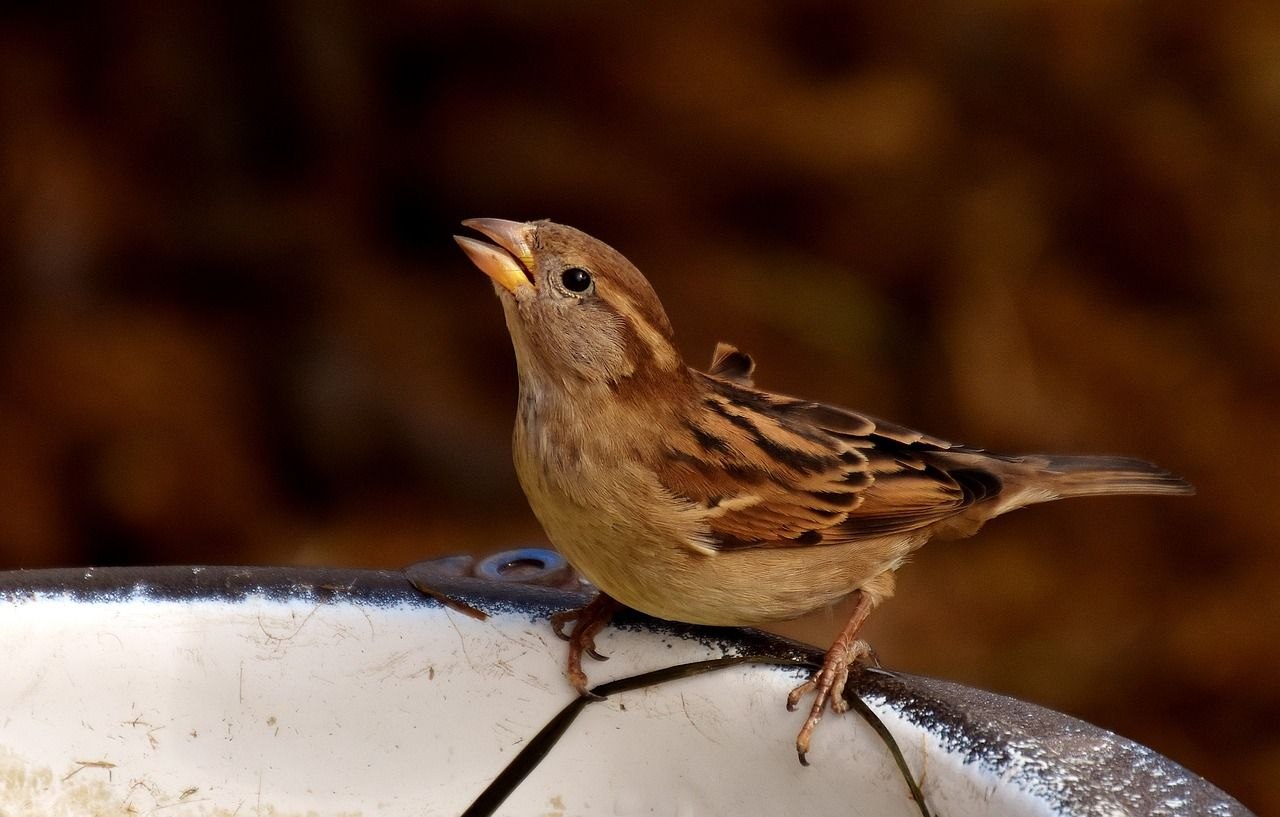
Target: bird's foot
(828, 685)
(587, 622)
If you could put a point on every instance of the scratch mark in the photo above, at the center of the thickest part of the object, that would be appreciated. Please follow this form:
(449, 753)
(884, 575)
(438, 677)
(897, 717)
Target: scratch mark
(498, 631)
(462, 642)
(924, 762)
(182, 800)
(81, 765)
(296, 630)
(147, 787)
(151, 730)
(368, 619)
(685, 706)
(503, 666)
(536, 682)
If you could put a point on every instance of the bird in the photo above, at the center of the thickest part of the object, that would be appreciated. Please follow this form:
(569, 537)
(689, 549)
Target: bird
(697, 497)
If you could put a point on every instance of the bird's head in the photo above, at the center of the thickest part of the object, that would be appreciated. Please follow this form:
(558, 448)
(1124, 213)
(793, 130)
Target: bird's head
(578, 312)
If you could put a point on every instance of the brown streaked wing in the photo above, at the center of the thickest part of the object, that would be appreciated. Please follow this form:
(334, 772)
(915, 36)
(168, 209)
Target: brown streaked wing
(774, 471)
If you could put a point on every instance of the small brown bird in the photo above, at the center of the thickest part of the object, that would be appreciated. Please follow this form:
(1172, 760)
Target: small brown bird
(697, 497)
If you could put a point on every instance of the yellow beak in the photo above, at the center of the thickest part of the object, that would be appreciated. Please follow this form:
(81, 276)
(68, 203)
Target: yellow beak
(510, 263)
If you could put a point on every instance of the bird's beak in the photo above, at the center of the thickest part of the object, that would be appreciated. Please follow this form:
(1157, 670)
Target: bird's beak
(510, 264)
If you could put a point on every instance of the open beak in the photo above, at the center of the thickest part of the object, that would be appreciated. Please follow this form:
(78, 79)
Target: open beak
(510, 263)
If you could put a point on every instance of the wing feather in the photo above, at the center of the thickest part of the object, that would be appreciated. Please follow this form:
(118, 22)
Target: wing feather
(774, 471)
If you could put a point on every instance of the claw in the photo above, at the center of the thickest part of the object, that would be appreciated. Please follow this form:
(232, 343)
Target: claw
(874, 657)
(559, 620)
(596, 654)
(793, 699)
(587, 622)
(578, 679)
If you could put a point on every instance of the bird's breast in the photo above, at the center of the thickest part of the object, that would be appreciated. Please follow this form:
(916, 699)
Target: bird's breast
(601, 507)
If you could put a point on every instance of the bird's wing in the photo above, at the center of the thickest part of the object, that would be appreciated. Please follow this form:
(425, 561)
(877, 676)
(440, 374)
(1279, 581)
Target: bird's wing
(773, 471)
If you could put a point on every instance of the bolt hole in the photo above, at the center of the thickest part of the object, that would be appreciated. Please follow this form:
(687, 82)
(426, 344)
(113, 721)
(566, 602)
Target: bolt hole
(525, 565)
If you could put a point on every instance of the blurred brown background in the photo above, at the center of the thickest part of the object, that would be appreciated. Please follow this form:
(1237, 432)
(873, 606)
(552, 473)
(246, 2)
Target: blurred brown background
(234, 327)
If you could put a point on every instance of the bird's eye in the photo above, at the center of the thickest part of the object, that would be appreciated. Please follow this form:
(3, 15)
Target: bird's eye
(575, 279)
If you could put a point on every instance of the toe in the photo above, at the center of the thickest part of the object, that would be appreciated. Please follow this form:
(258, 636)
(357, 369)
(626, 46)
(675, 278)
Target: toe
(793, 698)
(561, 620)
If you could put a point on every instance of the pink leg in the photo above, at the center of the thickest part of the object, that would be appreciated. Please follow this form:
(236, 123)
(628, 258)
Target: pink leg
(828, 683)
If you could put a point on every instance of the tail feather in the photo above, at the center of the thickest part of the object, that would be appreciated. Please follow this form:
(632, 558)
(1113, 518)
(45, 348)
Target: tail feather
(998, 484)
(1093, 476)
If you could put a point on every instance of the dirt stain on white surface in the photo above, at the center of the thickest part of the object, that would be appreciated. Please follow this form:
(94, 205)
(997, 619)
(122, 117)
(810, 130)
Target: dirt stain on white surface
(99, 788)
(557, 807)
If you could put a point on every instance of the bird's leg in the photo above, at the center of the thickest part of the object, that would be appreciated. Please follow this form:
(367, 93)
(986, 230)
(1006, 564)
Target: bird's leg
(587, 622)
(828, 683)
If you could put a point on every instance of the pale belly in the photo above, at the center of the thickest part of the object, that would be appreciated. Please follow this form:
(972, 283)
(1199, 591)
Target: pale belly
(736, 588)
(640, 559)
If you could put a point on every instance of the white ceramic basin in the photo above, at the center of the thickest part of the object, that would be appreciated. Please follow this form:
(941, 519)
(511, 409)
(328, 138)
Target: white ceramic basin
(280, 691)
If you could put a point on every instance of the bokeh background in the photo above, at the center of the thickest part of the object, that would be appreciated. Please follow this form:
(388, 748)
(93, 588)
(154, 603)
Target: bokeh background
(234, 327)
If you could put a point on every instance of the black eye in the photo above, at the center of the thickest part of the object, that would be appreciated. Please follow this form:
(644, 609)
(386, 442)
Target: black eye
(575, 279)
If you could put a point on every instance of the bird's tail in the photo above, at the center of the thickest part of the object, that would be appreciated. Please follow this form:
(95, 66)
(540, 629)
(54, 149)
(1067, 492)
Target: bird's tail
(1093, 476)
(1001, 484)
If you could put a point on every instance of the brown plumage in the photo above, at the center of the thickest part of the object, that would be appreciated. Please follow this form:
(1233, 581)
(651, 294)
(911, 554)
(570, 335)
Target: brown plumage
(697, 497)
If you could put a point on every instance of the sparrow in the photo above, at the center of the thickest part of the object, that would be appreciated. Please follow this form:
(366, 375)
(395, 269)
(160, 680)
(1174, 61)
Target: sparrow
(696, 496)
